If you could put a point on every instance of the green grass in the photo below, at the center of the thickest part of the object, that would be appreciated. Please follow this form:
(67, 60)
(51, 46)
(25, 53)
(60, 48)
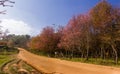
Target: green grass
(7, 56)
(4, 58)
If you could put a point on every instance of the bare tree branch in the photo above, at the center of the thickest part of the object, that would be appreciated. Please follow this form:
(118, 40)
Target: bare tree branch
(2, 3)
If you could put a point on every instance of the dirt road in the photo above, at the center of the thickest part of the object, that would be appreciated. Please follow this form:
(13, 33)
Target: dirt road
(57, 66)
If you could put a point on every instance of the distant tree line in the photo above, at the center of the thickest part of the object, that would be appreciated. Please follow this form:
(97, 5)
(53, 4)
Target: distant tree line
(95, 34)
(17, 40)
(12, 40)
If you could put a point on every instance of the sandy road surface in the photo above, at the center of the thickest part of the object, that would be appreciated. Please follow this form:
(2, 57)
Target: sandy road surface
(57, 66)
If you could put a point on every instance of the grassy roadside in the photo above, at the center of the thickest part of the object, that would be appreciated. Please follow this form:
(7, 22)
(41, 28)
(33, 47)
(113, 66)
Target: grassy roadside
(4, 59)
(14, 66)
(6, 55)
(98, 61)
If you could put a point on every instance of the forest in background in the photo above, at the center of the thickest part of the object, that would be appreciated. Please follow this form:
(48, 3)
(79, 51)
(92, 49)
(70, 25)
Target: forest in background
(11, 40)
(95, 34)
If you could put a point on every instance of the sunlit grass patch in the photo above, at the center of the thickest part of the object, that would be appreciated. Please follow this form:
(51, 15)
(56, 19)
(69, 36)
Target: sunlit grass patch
(4, 58)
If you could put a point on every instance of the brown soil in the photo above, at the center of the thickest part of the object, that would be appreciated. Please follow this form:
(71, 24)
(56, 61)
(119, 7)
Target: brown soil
(57, 66)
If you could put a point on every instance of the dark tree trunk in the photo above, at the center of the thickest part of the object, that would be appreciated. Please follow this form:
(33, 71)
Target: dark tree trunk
(116, 54)
(101, 54)
(87, 56)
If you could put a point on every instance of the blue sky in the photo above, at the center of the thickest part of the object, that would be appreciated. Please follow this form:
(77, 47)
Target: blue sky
(40, 13)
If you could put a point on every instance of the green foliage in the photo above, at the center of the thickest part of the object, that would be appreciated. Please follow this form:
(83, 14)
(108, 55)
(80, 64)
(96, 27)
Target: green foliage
(17, 40)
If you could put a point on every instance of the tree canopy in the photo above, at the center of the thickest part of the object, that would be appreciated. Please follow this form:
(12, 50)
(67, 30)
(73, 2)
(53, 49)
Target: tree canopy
(94, 34)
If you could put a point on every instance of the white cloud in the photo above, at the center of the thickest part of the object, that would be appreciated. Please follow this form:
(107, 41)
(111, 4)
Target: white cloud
(16, 27)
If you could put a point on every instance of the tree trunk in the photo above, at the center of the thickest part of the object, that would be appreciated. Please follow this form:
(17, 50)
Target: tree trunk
(101, 54)
(66, 53)
(104, 57)
(87, 55)
(116, 54)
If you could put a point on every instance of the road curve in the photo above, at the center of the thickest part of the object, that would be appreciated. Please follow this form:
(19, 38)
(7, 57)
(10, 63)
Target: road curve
(57, 66)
